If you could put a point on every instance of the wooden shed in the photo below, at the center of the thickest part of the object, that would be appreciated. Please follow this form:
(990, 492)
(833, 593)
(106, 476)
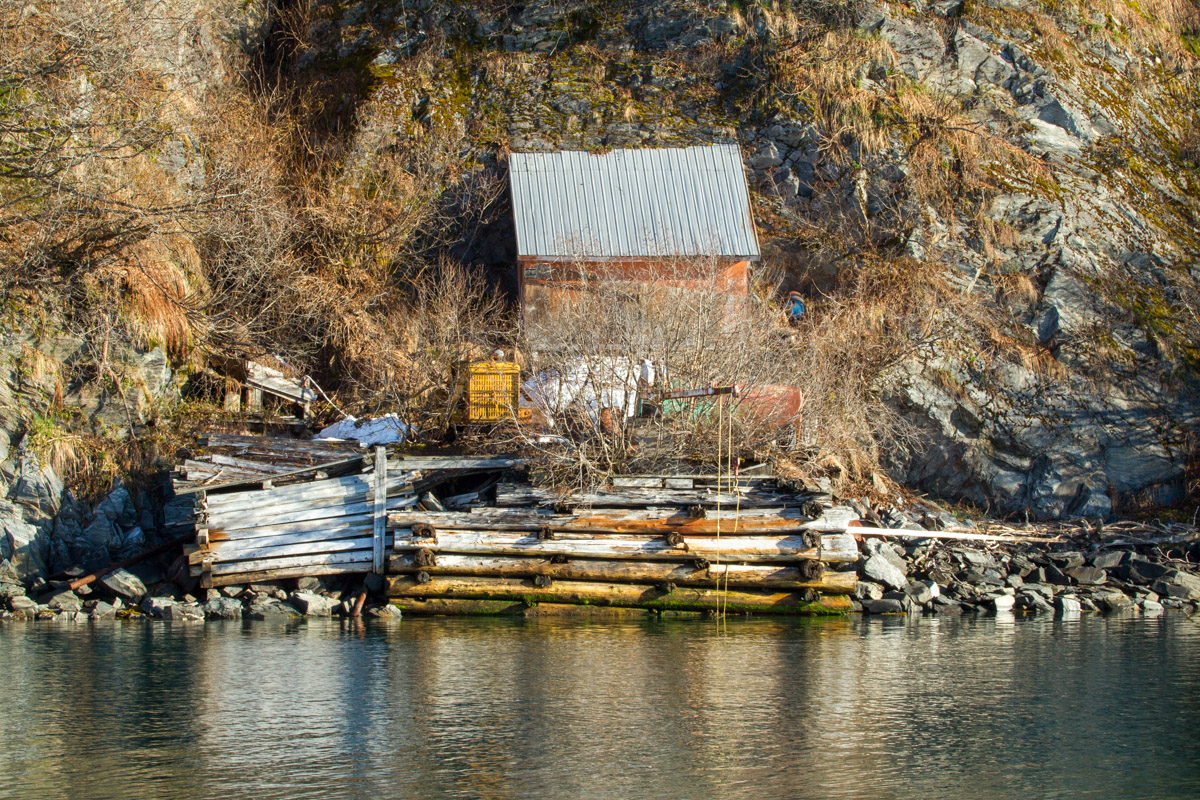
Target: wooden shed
(629, 215)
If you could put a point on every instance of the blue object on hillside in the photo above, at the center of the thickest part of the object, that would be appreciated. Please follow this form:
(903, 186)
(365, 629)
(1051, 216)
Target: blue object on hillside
(795, 307)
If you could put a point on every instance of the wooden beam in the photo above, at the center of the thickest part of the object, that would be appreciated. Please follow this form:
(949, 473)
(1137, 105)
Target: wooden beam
(617, 594)
(281, 574)
(300, 513)
(520, 495)
(761, 549)
(360, 559)
(600, 522)
(448, 607)
(380, 511)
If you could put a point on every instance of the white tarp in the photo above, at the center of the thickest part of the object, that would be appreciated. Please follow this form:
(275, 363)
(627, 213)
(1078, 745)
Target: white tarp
(591, 384)
(380, 430)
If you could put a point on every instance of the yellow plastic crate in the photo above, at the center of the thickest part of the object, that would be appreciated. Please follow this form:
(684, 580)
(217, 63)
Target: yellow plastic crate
(491, 391)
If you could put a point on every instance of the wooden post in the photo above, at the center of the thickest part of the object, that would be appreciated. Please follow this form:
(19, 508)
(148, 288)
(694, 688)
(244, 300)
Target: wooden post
(380, 512)
(253, 399)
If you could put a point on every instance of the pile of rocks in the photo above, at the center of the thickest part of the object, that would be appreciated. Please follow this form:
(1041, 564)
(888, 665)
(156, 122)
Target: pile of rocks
(945, 577)
(141, 592)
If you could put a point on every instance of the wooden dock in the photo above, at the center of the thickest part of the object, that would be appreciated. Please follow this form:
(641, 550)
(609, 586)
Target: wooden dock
(683, 543)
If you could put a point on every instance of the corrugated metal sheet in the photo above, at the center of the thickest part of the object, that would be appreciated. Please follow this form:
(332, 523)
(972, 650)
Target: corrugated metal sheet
(633, 203)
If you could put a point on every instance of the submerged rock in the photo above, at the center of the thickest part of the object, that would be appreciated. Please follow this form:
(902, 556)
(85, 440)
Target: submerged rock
(223, 608)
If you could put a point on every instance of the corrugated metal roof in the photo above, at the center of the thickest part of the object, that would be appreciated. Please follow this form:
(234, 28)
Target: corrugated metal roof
(630, 203)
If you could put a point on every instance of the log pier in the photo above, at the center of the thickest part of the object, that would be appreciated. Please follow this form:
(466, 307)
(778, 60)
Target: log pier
(492, 545)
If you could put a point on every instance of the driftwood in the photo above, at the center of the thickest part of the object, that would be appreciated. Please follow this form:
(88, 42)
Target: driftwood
(961, 535)
(701, 573)
(661, 598)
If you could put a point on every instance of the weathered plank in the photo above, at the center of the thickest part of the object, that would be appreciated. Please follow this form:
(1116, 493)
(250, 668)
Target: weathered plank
(762, 549)
(651, 572)
(379, 521)
(325, 466)
(280, 444)
(299, 548)
(455, 463)
(330, 488)
(618, 594)
(314, 541)
(275, 382)
(359, 558)
(298, 512)
(362, 521)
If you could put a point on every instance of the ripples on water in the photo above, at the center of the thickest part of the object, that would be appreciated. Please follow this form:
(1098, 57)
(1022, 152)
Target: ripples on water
(498, 708)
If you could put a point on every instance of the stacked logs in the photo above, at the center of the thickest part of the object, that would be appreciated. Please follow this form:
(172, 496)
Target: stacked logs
(662, 543)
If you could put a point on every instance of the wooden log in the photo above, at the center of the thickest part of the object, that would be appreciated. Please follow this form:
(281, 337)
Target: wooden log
(761, 549)
(651, 572)
(449, 607)
(593, 522)
(617, 594)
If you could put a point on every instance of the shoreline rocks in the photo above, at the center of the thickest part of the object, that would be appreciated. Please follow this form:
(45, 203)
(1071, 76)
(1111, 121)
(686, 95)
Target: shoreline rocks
(1081, 575)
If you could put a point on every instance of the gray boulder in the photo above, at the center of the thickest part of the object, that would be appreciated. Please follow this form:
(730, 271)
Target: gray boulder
(21, 603)
(883, 569)
(125, 584)
(1002, 602)
(63, 600)
(386, 612)
(223, 608)
(271, 610)
(866, 590)
(312, 605)
(1088, 576)
(884, 606)
(98, 609)
(183, 612)
(1067, 605)
(1114, 601)
(156, 606)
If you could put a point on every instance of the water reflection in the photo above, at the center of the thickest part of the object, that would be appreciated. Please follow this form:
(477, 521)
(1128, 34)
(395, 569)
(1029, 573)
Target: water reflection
(939, 707)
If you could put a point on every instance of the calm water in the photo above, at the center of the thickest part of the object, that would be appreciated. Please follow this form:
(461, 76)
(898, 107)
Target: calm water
(1101, 707)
